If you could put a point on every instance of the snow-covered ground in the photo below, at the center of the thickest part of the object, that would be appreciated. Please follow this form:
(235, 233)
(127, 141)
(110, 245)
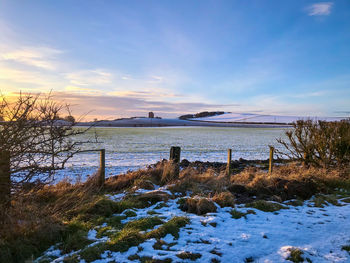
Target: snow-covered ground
(319, 233)
(258, 118)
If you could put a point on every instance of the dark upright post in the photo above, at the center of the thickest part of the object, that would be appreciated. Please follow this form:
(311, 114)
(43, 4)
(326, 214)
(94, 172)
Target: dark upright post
(271, 159)
(175, 153)
(229, 158)
(102, 175)
(5, 180)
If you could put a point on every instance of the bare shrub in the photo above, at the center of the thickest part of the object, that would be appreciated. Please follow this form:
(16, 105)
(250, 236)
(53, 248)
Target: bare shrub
(318, 143)
(34, 141)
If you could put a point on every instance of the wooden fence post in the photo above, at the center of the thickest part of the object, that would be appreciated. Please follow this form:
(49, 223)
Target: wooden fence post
(175, 153)
(271, 159)
(102, 175)
(5, 180)
(229, 158)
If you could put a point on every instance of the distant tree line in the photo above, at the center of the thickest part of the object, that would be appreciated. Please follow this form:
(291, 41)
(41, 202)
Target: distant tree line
(201, 115)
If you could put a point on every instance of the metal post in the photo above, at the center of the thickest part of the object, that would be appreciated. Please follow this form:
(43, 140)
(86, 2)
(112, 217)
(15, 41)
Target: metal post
(229, 158)
(271, 159)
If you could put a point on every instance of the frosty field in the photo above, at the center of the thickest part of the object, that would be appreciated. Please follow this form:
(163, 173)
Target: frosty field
(134, 148)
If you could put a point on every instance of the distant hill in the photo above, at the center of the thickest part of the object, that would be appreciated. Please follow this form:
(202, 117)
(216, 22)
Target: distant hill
(230, 117)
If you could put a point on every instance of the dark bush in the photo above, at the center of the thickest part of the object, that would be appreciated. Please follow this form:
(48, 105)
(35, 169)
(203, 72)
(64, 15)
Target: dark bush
(322, 144)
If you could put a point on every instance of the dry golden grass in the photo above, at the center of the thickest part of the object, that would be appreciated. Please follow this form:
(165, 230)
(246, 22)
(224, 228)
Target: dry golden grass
(253, 176)
(224, 199)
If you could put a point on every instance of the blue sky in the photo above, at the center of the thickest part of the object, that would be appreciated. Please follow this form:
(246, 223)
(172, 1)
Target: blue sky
(125, 58)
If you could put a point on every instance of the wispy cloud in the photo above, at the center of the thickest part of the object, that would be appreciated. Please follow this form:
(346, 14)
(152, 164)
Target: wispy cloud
(112, 107)
(90, 77)
(319, 9)
(40, 57)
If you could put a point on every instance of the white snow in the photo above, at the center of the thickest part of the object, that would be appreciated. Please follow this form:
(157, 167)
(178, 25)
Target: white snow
(265, 237)
(259, 118)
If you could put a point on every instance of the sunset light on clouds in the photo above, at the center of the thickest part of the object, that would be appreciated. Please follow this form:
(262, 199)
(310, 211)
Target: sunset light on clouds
(113, 59)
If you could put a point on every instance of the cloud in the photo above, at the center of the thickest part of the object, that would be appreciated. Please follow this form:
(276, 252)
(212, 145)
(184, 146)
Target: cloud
(90, 77)
(320, 9)
(112, 107)
(40, 57)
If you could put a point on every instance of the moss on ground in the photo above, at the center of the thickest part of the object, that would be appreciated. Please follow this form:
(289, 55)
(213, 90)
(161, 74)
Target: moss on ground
(296, 255)
(325, 200)
(346, 248)
(144, 223)
(71, 259)
(189, 255)
(266, 206)
(75, 236)
(237, 214)
(171, 227)
(295, 202)
(92, 253)
(161, 205)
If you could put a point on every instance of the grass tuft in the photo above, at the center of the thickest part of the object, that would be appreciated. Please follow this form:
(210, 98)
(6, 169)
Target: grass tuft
(189, 255)
(171, 227)
(237, 214)
(144, 223)
(296, 255)
(266, 206)
(224, 199)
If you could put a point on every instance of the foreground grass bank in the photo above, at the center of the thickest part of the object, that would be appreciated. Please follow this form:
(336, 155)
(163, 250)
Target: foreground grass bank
(152, 210)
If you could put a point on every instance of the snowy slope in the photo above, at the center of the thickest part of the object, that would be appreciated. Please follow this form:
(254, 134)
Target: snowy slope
(320, 233)
(258, 118)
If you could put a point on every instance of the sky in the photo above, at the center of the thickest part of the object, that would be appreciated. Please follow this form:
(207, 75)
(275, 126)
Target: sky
(112, 59)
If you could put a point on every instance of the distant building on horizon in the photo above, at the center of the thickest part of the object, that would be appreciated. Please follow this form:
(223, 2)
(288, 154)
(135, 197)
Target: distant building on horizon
(151, 115)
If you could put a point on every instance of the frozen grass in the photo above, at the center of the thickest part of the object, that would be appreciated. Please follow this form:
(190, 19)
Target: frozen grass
(298, 234)
(83, 221)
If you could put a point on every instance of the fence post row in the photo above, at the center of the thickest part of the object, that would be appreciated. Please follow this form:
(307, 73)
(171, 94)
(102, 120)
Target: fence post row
(229, 158)
(5, 179)
(271, 159)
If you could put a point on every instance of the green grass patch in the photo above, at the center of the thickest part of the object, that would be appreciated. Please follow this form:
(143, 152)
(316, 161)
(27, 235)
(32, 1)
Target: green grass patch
(144, 223)
(105, 231)
(71, 259)
(296, 255)
(158, 245)
(189, 255)
(152, 260)
(129, 213)
(152, 212)
(161, 205)
(295, 202)
(92, 253)
(123, 240)
(75, 236)
(171, 227)
(346, 200)
(237, 214)
(115, 221)
(266, 206)
(106, 207)
(325, 200)
(346, 248)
